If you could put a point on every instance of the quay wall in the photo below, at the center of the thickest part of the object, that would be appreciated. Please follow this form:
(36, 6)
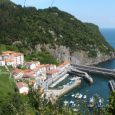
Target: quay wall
(54, 94)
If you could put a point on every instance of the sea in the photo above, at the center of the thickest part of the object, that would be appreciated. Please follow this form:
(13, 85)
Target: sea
(100, 86)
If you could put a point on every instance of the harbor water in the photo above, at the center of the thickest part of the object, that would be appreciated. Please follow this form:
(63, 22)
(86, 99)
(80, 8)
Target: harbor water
(100, 86)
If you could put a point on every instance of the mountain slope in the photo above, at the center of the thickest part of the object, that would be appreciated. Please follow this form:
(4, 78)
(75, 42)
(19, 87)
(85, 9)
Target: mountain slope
(28, 27)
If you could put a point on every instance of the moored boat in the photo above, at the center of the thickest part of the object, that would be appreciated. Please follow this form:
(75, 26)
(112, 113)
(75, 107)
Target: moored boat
(66, 102)
(91, 102)
(77, 95)
(80, 96)
(73, 95)
(84, 97)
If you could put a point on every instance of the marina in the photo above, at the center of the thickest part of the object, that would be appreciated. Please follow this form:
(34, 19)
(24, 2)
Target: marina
(56, 93)
(85, 91)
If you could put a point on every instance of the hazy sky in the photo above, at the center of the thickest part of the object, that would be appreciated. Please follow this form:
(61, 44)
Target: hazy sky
(100, 12)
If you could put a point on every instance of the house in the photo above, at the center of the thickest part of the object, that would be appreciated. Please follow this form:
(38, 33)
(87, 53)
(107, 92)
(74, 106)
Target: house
(64, 66)
(12, 58)
(9, 62)
(18, 58)
(50, 66)
(32, 64)
(23, 74)
(22, 87)
(40, 69)
(29, 74)
(52, 73)
(17, 74)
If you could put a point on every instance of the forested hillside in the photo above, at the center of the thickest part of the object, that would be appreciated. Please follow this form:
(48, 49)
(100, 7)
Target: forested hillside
(26, 27)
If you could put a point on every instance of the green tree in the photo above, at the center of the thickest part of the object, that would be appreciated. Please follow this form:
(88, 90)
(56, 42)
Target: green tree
(111, 105)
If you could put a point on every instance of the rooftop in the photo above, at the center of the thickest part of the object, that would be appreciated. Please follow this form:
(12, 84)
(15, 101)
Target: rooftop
(21, 84)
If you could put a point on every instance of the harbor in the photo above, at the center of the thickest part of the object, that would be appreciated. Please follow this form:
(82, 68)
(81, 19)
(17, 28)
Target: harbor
(95, 95)
(56, 93)
(97, 85)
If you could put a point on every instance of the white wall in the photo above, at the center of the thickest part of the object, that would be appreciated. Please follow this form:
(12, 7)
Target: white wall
(2, 63)
(24, 90)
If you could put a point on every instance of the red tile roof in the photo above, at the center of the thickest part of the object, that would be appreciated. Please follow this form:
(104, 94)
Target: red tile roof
(21, 84)
(13, 53)
(53, 71)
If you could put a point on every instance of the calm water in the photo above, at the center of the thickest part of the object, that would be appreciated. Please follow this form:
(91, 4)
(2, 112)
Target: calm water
(100, 85)
(109, 34)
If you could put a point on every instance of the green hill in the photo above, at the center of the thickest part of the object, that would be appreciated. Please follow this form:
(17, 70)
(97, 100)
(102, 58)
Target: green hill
(25, 27)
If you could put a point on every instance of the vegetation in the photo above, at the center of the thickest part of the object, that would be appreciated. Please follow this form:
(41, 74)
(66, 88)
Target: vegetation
(111, 105)
(6, 87)
(44, 58)
(25, 27)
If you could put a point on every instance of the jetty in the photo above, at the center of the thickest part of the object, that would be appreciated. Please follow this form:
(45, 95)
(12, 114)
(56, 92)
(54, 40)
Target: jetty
(97, 70)
(112, 85)
(83, 74)
(56, 93)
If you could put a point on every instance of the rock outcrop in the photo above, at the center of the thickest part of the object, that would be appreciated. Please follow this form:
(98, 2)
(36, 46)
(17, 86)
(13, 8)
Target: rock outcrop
(62, 53)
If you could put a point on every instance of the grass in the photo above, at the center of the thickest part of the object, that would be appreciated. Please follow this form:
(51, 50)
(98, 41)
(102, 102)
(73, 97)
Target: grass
(6, 84)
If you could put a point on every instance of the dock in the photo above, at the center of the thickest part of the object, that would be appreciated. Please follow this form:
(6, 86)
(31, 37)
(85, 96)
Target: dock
(112, 85)
(59, 80)
(56, 93)
(55, 80)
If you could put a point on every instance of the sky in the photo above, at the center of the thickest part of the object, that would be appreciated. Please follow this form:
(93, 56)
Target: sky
(99, 12)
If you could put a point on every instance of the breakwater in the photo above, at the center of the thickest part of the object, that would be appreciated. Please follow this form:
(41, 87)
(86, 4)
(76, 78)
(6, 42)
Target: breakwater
(96, 70)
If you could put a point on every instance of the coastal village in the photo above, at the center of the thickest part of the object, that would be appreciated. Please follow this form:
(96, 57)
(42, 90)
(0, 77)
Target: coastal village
(32, 73)
(44, 76)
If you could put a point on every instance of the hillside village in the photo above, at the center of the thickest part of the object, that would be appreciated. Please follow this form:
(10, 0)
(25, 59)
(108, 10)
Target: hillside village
(32, 73)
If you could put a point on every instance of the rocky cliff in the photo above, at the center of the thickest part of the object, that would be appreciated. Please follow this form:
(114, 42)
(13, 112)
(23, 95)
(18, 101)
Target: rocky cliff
(62, 53)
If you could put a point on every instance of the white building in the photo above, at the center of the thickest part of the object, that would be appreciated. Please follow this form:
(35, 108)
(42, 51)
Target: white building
(32, 64)
(17, 74)
(9, 62)
(22, 87)
(50, 67)
(12, 58)
(2, 63)
(52, 73)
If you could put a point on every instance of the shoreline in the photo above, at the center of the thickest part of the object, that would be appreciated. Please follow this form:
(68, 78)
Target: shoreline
(110, 59)
(99, 61)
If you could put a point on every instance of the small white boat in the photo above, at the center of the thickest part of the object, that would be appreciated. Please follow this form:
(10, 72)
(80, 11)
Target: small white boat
(73, 95)
(91, 102)
(65, 102)
(75, 110)
(80, 96)
(100, 103)
(77, 95)
(84, 97)
(71, 102)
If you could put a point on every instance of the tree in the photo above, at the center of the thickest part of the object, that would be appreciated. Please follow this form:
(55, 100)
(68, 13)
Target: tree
(111, 105)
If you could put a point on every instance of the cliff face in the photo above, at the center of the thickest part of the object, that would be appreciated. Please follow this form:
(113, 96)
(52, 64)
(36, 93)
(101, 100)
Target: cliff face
(62, 53)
